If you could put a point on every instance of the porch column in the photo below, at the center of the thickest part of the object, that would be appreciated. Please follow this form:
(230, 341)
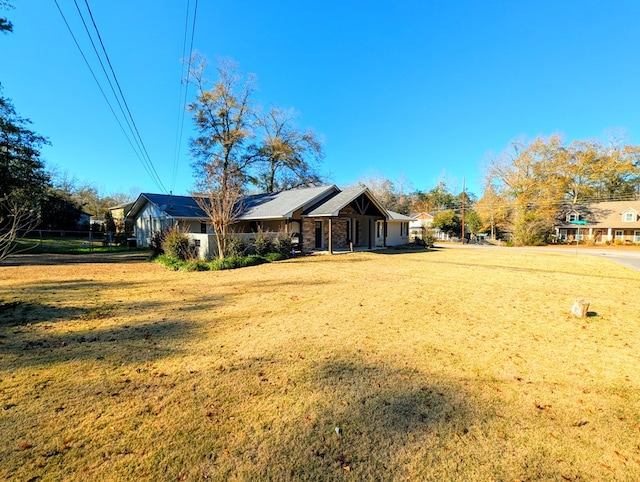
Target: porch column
(330, 236)
(609, 234)
(384, 233)
(590, 233)
(352, 234)
(371, 233)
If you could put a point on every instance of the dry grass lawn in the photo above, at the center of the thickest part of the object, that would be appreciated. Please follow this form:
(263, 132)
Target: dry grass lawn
(456, 364)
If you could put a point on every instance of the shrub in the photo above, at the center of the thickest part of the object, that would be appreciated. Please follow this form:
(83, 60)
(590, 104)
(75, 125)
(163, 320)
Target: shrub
(155, 243)
(175, 243)
(263, 244)
(195, 265)
(169, 262)
(618, 242)
(120, 239)
(235, 247)
(283, 245)
(428, 240)
(276, 256)
(234, 262)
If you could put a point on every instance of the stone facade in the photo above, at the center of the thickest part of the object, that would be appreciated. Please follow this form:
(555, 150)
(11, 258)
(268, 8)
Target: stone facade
(309, 234)
(338, 229)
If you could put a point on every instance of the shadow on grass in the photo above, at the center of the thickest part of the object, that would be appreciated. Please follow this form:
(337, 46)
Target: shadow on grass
(360, 421)
(121, 344)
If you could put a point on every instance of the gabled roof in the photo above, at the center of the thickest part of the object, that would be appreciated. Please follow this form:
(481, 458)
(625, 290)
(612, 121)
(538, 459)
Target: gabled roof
(331, 206)
(420, 215)
(393, 216)
(174, 206)
(277, 205)
(282, 205)
(604, 214)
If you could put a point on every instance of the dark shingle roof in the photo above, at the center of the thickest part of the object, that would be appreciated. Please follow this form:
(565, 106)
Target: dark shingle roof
(176, 206)
(279, 205)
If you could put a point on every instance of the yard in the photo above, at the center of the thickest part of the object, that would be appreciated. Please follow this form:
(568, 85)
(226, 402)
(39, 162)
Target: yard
(454, 364)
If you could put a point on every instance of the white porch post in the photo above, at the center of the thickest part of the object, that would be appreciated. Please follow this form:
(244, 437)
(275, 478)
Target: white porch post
(330, 236)
(609, 237)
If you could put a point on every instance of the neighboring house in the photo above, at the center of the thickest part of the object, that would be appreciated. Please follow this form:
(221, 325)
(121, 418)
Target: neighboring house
(119, 214)
(84, 221)
(316, 218)
(419, 225)
(612, 221)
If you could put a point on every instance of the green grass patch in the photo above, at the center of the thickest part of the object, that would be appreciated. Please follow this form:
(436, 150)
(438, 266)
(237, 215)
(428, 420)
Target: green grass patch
(66, 245)
(231, 262)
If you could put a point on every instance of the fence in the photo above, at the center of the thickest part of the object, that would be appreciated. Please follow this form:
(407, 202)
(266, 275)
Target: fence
(64, 240)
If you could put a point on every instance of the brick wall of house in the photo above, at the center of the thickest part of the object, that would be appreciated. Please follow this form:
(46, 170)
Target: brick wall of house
(308, 234)
(339, 231)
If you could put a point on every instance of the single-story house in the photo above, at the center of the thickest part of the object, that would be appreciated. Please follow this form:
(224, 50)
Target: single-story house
(611, 221)
(322, 218)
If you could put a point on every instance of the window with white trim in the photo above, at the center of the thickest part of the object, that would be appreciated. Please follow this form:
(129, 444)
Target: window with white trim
(619, 235)
(636, 236)
(629, 217)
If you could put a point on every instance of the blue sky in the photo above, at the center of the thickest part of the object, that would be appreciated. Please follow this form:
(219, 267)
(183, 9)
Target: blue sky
(421, 90)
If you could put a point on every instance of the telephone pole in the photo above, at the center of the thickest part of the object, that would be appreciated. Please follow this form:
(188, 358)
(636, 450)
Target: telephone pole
(463, 197)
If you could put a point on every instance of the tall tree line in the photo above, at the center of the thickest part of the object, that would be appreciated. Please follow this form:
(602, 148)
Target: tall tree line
(528, 184)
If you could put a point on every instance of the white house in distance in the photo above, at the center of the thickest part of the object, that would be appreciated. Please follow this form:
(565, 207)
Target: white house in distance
(322, 218)
(420, 223)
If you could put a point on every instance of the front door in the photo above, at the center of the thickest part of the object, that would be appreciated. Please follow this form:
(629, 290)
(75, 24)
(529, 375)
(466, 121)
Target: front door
(318, 235)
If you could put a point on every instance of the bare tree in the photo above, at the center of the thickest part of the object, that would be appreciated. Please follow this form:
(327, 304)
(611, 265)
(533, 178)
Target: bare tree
(16, 219)
(223, 118)
(288, 155)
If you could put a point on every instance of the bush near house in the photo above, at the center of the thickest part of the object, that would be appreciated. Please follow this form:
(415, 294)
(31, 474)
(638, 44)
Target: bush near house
(175, 243)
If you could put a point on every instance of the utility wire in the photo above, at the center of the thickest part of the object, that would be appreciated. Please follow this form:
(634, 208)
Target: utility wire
(140, 151)
(137, 136)
(104, 95)
(182, 98)
(124, 100)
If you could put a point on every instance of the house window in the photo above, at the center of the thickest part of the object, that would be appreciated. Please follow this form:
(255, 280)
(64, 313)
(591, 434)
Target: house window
(636, 236)
(203, 228)
(628, 217)
(580, 235)
(573, 217)
(619, 235)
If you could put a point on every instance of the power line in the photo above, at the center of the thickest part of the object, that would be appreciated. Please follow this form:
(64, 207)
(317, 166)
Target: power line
(96, 79)
(140, 151)
(182, 97)
(124, 100)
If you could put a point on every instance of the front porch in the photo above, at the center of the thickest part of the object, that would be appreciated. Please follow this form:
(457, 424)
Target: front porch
(598, 235)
